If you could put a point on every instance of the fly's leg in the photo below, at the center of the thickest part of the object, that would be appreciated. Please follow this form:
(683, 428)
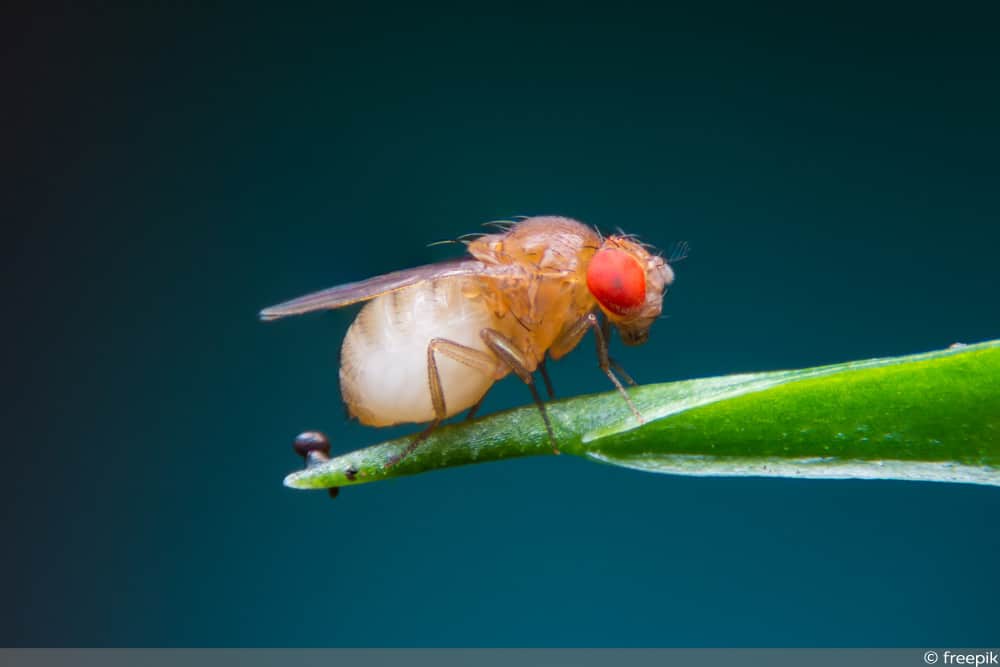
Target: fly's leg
(621, 371)
(437, 400)
(475, 408)
(512, 356)
(606, 331)
(545, 377)
(460, 353)
(602, 334)
(417, 439)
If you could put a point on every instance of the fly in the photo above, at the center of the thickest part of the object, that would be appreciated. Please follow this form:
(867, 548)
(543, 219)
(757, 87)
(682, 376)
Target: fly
(432, 340)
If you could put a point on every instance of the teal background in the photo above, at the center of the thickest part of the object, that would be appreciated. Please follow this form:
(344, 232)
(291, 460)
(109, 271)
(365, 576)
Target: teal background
(173, 171)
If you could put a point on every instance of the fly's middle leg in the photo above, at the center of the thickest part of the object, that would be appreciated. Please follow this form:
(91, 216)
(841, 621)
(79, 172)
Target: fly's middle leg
(518, 362)
(460, 353)
(545, 376)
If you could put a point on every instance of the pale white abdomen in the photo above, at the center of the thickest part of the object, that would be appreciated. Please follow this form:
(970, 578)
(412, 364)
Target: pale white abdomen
(383, 361)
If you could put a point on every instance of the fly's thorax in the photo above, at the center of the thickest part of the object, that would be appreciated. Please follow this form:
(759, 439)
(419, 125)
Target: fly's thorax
(541, 243)
(546, 287)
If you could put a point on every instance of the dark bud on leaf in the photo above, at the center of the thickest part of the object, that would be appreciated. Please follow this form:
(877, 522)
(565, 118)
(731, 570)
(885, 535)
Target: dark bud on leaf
(311, 441)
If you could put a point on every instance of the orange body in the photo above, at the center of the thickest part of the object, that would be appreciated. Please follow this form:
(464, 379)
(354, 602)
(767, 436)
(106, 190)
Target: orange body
(548, 291)
(433, 339)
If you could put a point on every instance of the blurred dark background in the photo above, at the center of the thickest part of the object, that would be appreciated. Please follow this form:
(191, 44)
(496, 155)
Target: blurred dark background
(171, 171)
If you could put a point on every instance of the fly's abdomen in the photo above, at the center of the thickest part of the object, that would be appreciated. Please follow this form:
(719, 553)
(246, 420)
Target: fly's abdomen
(383, 365)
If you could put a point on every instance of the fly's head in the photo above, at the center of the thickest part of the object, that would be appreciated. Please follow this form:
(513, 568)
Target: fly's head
(628, 283)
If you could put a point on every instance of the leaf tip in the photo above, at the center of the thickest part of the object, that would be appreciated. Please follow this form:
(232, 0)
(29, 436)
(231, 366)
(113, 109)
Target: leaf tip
(294, 480)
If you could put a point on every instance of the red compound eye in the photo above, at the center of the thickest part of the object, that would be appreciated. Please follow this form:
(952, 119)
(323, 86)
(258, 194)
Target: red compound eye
(616, 280)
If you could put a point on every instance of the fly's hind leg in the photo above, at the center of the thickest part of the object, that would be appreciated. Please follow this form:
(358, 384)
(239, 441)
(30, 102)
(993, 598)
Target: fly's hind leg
(460, 353)
(475, 408)
(514, 357)
(548, 387)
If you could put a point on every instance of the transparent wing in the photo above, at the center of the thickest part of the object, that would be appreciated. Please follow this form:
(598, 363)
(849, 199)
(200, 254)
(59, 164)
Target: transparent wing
(345, 295)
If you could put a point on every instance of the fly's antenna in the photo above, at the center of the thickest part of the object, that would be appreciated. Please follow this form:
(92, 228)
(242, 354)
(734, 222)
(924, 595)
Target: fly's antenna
(600, 235)
(679, 251)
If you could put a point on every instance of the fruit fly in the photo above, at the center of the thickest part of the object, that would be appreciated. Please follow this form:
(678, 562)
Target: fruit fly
(433, 339)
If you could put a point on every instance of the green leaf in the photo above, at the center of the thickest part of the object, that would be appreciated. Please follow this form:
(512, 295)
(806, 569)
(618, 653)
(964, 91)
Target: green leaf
(931, 417)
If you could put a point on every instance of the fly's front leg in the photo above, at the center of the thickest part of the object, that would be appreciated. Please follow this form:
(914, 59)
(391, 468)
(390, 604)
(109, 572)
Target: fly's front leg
(514, 357)
(460, 353)
(618, 367)
(606, 331)
(602, 334)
